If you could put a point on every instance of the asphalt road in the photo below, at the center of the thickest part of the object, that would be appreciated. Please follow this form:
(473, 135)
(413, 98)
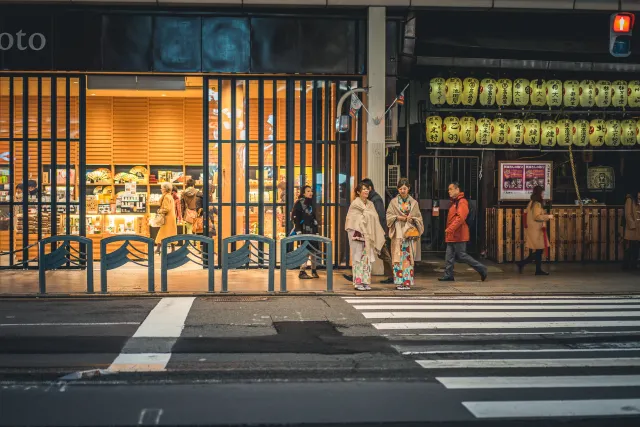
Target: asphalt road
(328, 360)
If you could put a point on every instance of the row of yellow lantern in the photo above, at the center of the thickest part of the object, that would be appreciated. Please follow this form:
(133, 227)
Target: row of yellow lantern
(532, 132)
(539, 93)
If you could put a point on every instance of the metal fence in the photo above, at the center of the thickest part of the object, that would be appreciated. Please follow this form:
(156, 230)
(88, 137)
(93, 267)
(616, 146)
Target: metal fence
(186, 253)
(252, 252)
(308, 248)
(65, 253)
(126, 253)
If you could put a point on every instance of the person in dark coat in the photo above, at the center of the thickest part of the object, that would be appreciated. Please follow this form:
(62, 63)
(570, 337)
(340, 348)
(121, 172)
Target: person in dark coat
(304, 220)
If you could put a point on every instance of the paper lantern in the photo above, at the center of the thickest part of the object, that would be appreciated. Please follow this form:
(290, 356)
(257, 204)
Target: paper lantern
(603, 93)
(436, 91)
(487, 92)
(531, 132)
(453, 91)
(499, 129)
(633, 94)
(580, 133)
(434, 129)
(628, 132)
(613, 136)
(470, 89)
(504, 93)
(619, 94)
(597, 132)
(515, 132)
(483, 131)
(451, 130)
(564, 132)
(521, 92)
(467, 130)
(587, 93)
(554, 93)
(548, 133)
(571, 93)
(638, 132)
(538, 92)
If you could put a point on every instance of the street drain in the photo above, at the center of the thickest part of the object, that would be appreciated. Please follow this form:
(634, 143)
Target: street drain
(236, 299)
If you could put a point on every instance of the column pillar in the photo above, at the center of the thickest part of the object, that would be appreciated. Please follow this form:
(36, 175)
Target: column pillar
(376, 63)
(376, 81)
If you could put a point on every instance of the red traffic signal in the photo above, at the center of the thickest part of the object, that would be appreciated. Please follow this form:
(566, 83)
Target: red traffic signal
(622, 23)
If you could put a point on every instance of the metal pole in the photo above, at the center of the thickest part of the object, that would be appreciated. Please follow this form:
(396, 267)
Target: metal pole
(344, 97)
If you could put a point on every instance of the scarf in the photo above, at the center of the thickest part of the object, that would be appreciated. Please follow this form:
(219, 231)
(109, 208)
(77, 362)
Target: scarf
(363, 218)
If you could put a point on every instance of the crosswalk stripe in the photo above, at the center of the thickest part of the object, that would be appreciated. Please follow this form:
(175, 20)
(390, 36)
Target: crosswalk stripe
(528, 363)
(494, 315)
(501, 300)
(495, 307)
(561, 381)
(406, 350)
(506, 325)
(553, 408)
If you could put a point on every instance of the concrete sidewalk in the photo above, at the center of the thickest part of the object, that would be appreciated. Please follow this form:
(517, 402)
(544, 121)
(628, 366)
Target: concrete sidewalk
(565, 279)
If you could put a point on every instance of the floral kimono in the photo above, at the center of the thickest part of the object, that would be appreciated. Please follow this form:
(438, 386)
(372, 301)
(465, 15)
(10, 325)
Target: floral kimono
(403, 251)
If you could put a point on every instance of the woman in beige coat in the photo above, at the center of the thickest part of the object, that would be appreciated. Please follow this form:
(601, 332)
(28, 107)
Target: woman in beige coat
(631, 230)
(535, 232)
(168, 209)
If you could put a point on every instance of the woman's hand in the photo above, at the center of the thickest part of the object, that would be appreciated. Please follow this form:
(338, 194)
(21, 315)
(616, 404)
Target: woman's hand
(402, 218)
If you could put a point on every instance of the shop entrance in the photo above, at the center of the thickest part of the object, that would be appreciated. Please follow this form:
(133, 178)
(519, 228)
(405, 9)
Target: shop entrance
(435, 174)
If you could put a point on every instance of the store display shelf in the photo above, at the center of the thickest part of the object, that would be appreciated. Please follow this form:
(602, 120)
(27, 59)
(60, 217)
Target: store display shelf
(99, 183)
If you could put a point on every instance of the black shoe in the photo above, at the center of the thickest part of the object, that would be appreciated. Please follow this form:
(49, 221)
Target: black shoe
(446, 279)
(304, 276)
(348, 277)
(387, 282)
(520, 267)
(314, 274)
(483, 275)
(541, 273)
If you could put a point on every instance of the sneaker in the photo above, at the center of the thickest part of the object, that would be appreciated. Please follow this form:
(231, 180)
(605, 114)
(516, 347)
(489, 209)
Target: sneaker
(361, 288)
(304, 276)
(403, 288)
(446, 279)
(483, 275)
(314, 274)
(367, 287)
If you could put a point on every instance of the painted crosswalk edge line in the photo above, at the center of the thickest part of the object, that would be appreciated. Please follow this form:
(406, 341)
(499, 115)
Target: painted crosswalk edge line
(553, 408)
(560, 381)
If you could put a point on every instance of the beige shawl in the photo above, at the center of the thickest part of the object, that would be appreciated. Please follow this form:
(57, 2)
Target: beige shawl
(398, 228)
(363, 218)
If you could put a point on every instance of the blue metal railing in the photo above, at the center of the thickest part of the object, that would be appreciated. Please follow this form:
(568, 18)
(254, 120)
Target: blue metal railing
(188, 252)
(247, 254)
(126, 253)
(298, 256)
(63, 254)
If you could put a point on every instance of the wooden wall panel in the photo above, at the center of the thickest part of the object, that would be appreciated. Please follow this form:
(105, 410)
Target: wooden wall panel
(166, 131)
(131, 131)
(99, 130)
(193, 131)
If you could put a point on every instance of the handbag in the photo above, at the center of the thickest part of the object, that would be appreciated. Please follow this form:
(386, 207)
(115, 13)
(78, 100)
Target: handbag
(411, 233)
(157, 220)
(198, 225)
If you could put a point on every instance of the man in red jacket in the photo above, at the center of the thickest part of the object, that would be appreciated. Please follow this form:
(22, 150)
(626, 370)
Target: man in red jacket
(457, 235)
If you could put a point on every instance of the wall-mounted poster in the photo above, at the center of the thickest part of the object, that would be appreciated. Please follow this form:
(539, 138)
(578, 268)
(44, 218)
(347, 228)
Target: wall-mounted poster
(518, 179)
(601, 178)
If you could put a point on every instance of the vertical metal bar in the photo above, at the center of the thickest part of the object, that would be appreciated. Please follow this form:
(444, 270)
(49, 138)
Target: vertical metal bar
(303, 133)
(225, 267)
(67, 100)
(104, 256)
(163, 267)
(328, 129)
(276, 170)
(261, 155)
(12, 156)
(25, 171)
(329, 251)
(53, 169)
(291, 94)
(82, 154)
(247, 187)
(205, 166)
(359, 151)
(39, 205)
(234, 214)
(219, 146)
(314, 141)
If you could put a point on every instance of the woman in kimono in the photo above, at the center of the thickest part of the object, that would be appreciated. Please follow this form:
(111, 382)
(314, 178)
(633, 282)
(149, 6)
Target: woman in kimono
(366, 237)
(405, 228)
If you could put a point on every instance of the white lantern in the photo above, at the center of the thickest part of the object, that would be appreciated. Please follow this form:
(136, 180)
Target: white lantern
(638, 132)
(587, 93)
(504, 93)
(564, 132)
(436, 91)
(603, 93)
(499, 129)
(548, 133)
(554, 93)
(467, 130)
(515, 132)
(453, 91)
(538, 89)
(628, 132)
(451, 130)
(614, 135)
(633, 94)
(531, 132)
(597, 132)
(521, 91)
(470, 89)
(434, 129)
(483, 131)
(580, 133)
(571, 93)
(487, 92)
(619, 94)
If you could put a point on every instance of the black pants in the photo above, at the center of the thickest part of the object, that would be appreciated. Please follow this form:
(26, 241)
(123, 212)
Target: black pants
(631, 252)
(534, 255)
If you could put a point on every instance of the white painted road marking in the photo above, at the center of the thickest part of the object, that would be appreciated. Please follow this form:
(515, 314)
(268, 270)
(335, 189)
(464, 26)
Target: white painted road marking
(11, 325)
(506, 325)
(494, 315)
(140, 362)
(494, 300)
(575, 381)
(466, 307)
(154, 416)
(554, 408)
(528, 363)
(407, 351)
